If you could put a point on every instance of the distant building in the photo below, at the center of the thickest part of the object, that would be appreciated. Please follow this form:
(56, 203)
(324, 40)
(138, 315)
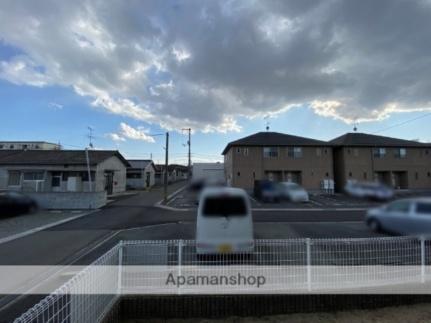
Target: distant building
(175, 173)
(140, 174)
(402, 164)
(30, 145)
(62, 171)
(213, 172)
(277, 157)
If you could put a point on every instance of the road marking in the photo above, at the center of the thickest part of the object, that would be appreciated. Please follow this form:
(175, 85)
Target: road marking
(43, 227)
(171, 195)
(309, 209)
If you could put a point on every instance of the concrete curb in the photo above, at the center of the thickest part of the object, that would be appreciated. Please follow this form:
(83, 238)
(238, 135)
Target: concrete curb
(43, 227)
(175, 209)
(170, 196)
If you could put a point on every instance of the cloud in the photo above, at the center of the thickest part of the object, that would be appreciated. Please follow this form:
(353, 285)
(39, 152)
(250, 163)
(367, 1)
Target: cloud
(128, 132)
(116, 137)
(55, 106)
(201, 64)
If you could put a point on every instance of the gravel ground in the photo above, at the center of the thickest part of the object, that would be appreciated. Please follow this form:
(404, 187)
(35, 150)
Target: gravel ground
(401, 314)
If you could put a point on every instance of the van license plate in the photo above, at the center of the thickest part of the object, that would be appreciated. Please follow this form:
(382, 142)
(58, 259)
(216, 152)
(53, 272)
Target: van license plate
(225, 248)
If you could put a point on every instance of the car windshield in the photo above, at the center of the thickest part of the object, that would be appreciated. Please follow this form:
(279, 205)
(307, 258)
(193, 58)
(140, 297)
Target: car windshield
(225, 206)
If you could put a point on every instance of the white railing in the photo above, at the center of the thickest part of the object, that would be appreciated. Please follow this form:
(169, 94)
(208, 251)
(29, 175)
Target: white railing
(290, 266)
(66, 304)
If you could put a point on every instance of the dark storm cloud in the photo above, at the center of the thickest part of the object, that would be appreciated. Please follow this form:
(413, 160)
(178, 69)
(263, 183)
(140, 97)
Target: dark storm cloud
(205, 62)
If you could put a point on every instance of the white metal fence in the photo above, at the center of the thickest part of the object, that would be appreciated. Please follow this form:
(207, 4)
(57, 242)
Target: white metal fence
(66, 304)
(290, 266)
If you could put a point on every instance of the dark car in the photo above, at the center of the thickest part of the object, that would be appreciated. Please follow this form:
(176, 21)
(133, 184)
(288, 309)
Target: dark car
(14, 203)
(267, 191)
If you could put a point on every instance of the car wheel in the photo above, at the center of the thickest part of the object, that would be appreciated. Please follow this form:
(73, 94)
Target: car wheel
(374, 225)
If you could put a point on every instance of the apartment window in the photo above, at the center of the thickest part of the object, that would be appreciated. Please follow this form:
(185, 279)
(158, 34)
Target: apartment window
(33, 176)
(270, 152)
(11, 146)
(318, 152)
(379, 152)
(238, 150)
(400, 153)
(14, 178)
(295, 152)
(24, 146)
(245, 151)
(37, 147)
(1, 146)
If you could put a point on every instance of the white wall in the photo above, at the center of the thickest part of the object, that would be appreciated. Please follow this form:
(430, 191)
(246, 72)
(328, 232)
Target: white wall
(208, 171)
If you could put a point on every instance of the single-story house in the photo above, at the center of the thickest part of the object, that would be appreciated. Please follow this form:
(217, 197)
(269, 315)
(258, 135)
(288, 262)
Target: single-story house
(140, 174)
(63, 171)
(175, 173)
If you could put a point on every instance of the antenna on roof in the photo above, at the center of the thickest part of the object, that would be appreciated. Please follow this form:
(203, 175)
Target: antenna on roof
(90, 136)
(355, 126)
(267, 123)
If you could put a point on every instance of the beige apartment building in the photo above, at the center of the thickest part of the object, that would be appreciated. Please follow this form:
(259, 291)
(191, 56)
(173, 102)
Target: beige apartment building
(402, 164)
(279, 157)
(28, 145)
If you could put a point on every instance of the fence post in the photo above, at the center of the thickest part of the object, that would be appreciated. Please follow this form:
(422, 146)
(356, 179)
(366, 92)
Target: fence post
(422, 239)
(180, 260)
(308, 245)
(120, 267)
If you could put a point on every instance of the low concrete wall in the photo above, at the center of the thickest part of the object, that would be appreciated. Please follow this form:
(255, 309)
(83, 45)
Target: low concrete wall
(70, 200)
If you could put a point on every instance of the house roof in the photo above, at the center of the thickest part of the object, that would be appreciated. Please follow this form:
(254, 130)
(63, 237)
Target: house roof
(171, 167)
(367, 140)
(57, 157)
(140, 163)
(274, 139)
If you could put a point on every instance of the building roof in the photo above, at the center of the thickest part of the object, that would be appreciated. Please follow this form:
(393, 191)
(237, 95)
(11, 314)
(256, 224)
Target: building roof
(367, 140)
(140, 163)
(171, 167)
(274, 139)
(57, 157)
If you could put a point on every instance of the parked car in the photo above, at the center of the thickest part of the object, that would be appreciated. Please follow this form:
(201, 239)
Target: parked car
(369, 190)
(406, 216)
(267, 191)
(293, 192)
(14, 203)
(224, 222)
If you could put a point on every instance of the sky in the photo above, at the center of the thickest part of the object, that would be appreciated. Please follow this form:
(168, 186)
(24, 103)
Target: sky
(133, 70)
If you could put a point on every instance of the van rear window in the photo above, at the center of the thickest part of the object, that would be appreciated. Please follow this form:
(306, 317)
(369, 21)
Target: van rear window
(424, 208)
(224, 206)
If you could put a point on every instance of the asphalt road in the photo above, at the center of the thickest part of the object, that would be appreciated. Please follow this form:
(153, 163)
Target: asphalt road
(82, 240)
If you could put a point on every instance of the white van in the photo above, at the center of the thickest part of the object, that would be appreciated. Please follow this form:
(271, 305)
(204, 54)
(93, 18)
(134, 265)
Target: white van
(224, 224)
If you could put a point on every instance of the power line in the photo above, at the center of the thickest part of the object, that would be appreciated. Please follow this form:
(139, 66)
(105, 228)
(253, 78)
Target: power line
(403, 123)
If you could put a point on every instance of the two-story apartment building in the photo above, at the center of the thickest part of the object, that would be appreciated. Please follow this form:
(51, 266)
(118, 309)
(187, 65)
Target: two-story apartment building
(402, 164)
(279, 157)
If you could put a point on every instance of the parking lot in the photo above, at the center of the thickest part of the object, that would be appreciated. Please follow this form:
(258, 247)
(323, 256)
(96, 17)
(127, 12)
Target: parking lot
(188, 200)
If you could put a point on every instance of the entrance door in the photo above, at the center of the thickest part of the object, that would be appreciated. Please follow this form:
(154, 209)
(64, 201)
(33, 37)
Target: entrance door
(56, 181)
(147, 179)
(109, 182)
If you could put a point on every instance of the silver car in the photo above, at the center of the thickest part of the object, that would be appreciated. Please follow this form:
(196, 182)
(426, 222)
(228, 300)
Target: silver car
(406, 216)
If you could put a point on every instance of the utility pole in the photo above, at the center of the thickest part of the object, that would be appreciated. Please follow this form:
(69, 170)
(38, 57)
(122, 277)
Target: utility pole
(165, 188)
(190, 155)
(87, 157)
